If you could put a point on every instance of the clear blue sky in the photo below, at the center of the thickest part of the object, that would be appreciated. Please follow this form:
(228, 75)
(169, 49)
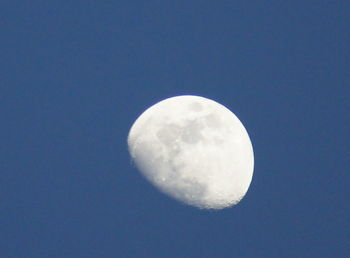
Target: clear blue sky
(74, 75)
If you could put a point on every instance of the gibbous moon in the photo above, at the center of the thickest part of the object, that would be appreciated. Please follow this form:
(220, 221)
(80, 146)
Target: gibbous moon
(194, 150)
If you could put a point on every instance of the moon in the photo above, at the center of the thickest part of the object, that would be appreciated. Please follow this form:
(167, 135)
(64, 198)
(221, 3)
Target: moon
(194, 150)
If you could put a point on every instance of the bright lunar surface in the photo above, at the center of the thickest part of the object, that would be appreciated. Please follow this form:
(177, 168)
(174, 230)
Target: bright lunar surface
(195, 150)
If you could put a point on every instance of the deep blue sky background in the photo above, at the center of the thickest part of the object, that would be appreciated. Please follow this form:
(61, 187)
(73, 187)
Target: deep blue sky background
(74, 75)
